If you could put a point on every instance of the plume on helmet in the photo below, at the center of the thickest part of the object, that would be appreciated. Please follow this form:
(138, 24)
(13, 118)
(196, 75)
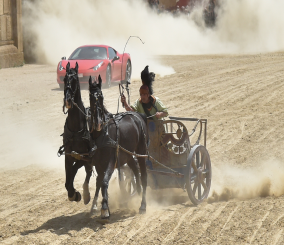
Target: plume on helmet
(148, 78)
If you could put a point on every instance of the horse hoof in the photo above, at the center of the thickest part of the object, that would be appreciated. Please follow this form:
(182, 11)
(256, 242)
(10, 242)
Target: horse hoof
(94, 208)
(142, 211)
(105, 214)
(71, 199)
(94, 205)
(78, 197)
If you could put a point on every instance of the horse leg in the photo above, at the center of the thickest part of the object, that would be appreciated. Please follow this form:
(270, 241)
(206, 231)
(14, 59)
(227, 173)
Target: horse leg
(86, 192)
(105, 213)
(133, 166)
(68, 172)
(143, 171)
(71, 171)
(98, 187)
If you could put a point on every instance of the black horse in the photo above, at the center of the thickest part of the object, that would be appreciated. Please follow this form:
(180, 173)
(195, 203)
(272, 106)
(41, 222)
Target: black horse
(129, 130)
(76, 136)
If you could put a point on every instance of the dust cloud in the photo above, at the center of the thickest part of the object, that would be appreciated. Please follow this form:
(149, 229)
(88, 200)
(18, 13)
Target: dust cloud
(22, 144)
(265, 179)
(55, 28)
(156, 198)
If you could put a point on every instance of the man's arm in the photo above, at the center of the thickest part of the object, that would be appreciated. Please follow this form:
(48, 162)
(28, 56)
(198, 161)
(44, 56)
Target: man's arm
(163, 111)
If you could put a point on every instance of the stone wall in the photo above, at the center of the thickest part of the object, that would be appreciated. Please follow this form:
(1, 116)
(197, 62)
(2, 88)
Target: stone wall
(11, 37)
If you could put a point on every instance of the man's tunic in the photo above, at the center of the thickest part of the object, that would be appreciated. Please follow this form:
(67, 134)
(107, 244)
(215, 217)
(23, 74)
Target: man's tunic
(137, 106)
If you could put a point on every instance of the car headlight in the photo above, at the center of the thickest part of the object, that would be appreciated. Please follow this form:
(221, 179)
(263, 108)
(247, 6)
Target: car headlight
(60, 68)
(98, 66)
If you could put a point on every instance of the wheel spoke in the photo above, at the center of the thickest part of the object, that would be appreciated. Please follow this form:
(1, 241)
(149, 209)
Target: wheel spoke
(194, 188)
(203, 157)
(124, 184)
(129, 187)
(197, 159)
(199, 191)
(204, 185)
(194, 166)
(205, 171)
(193, 177)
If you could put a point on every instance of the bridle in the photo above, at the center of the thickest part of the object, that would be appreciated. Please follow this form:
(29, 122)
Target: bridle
(68, 86)
(95, 99)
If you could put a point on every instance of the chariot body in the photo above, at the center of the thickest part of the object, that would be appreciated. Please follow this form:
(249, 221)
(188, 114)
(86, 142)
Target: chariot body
(174, 162)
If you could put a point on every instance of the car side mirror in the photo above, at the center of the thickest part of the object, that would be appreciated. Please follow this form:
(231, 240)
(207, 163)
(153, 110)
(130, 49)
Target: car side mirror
(115, 58)
(63, 58)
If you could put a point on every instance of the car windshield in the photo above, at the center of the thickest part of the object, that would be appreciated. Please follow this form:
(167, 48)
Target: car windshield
(89, 53)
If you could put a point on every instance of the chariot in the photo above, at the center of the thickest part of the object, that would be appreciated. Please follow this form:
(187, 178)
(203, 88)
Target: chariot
(173, 161)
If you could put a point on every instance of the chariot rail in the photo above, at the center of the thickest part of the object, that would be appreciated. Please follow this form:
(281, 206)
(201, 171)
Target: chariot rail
(201, 121)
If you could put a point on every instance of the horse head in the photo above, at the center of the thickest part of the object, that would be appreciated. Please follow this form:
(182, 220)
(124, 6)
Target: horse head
(71, 85)
(96, 104)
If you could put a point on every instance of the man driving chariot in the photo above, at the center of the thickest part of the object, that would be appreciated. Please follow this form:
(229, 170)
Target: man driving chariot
(147, 104)
(152, 107)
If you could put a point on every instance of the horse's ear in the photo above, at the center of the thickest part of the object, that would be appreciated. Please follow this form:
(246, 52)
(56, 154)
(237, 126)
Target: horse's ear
(76, 67)
(67, 67)
(100, 82)
(90, 81)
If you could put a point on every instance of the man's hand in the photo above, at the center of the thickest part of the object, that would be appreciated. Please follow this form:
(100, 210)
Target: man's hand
(123, 99)
(159, 114)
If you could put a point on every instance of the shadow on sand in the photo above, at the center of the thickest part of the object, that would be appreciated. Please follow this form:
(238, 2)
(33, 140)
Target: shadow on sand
(64, 224)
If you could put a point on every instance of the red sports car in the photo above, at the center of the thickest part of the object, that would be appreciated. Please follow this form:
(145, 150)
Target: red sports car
(95, 60)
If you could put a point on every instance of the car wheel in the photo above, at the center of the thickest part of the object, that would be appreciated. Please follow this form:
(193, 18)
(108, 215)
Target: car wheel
(108, 78)
(128, 71)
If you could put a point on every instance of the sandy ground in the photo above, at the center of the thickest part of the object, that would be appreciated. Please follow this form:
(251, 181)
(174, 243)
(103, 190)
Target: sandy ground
(242, 98)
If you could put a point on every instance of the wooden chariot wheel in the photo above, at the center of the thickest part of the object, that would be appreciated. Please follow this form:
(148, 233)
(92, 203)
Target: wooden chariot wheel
(198, 174)
(127, 184)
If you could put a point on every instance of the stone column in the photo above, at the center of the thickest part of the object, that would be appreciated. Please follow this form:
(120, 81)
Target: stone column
(11, 37)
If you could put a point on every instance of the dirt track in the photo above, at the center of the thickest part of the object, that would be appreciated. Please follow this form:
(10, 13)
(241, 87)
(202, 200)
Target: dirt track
(242, 98)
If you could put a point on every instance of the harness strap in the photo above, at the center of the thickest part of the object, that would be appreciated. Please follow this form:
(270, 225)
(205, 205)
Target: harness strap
(68, 136)
(61, 150)
(147, 156)
(117, 162)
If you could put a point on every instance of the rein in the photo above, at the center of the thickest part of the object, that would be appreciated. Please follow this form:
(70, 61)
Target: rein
(75, 104)
(151, 116)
